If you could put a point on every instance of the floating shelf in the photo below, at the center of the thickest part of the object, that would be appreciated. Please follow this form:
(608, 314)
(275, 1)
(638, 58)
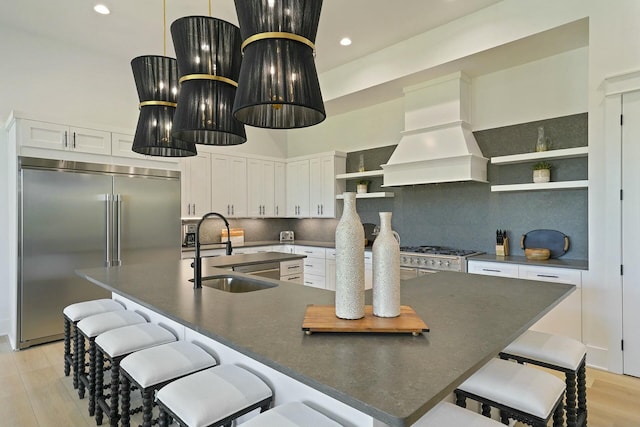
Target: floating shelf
(565, 153)
(376, 195)
(357, 175)
(541, 186)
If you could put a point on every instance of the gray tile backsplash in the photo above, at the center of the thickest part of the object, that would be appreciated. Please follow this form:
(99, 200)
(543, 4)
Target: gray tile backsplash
(463, 215)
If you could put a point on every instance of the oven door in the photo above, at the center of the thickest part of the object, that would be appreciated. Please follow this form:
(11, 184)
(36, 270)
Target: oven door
(424, 272)
(407, 273)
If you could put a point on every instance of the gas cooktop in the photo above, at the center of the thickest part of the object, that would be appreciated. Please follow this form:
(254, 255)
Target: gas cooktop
(437, 250)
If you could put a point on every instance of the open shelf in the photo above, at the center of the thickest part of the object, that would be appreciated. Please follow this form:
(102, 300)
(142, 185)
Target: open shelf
(565, 153)
(559, 185)
(375, 195)
(358, 175)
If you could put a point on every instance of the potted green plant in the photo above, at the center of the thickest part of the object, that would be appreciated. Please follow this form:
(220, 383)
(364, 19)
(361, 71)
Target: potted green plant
(363, 186)
(542, 172)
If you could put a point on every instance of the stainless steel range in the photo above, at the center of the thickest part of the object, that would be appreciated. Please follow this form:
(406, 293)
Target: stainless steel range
(420, 260)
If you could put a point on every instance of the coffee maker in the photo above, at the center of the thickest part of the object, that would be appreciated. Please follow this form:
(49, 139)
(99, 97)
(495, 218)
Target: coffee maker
(189, 235)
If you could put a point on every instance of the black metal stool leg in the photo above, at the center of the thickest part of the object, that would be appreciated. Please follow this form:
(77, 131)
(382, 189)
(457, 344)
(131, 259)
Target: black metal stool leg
(79, 368)
(571, 399)
(99, 388)
(67, 347)
(125, 401)
(147, 407)
(163, 418)
(113, 399)
(558, 416)
(92, 377)
(582, 393)
(486, 410)
(461, 401)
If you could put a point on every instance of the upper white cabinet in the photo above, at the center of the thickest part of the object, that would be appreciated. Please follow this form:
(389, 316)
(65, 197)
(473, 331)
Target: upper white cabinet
(121, 146)
(312, 186)
(280, 190)
(323, 186)
(54, 136)
(196, 185)
(229, 185)
(261, 187)
(298, 188)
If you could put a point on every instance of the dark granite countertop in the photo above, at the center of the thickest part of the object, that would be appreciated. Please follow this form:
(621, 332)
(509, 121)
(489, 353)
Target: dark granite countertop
(576, 264)
(393, 378)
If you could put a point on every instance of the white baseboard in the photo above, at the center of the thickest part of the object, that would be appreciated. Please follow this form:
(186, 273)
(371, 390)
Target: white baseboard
(598, 357)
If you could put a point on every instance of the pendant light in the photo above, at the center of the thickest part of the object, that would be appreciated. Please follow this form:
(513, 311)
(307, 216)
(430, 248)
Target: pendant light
(209, 57)
(278, 86)
(156, 80)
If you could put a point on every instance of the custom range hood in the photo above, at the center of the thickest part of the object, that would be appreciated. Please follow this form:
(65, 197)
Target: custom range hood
(437, 144)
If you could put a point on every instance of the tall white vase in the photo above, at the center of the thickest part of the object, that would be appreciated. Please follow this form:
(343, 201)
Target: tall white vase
(350, 262)
(386, 270)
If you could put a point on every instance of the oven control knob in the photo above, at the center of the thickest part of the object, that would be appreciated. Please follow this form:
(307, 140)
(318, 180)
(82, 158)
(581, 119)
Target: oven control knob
(439, 262)
(403, 259)
(447, 263)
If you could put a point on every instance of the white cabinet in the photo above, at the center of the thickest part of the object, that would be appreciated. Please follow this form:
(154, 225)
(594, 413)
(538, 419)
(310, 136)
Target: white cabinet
(260, 187)
(368, 270)
(54, 136)
(298, 188)
(280, 189)
(564, 319)
(314, 265)
(196, 185)
(323, 185)
(292, 271)
(229, 185)
(330, 270)
(121, 146)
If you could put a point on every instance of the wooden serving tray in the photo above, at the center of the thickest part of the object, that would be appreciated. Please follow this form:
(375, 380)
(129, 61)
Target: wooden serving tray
(322, 318)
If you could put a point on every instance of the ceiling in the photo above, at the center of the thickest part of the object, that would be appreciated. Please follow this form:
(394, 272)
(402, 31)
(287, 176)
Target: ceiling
(135, 27)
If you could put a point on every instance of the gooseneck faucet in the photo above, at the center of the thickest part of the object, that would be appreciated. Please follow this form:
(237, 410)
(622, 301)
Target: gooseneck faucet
(197, 261)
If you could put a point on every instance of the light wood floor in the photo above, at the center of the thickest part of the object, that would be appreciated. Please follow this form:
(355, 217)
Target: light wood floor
(35, 393)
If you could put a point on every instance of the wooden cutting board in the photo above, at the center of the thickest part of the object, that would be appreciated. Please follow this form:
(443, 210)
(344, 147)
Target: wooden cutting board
(322, 318)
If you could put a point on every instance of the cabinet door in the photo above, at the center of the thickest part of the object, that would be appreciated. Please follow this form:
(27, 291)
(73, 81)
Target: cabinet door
(229, 185)
(492, 268)
(315, 187)
(90, 141)
(260, 187)
(43, 135)
(121, 146)
(279, 190)
(196, 185)
(238, 186)
(298, 188)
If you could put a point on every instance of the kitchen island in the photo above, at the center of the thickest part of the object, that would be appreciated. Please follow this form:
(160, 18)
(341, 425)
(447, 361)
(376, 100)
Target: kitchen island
(393, 379)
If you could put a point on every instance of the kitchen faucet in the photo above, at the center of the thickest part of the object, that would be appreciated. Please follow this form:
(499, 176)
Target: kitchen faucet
(197, 261)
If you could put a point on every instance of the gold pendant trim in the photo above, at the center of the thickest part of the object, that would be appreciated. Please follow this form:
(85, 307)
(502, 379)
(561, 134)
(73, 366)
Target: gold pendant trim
(208, 77)
(278, 35)
(163, 103)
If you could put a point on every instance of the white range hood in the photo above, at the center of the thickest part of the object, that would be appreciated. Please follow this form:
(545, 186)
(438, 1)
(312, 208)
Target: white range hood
(437, 144)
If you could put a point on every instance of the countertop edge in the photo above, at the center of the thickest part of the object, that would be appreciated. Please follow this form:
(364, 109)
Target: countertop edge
(573, 264)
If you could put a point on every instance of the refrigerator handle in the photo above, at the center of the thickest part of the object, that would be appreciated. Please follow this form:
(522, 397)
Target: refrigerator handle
(108, 198)
(118, 227)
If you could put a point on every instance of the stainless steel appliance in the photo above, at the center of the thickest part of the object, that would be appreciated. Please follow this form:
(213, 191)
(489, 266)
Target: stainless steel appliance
(286, 236)
(189, 235)
(270, 270)
(76, 215)
(420, 260)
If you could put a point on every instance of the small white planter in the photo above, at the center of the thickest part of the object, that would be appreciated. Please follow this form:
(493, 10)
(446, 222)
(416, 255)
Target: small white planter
(362, 188)
(542, 175)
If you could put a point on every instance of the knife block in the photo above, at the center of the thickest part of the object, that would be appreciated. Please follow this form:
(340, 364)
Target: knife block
(503, 249)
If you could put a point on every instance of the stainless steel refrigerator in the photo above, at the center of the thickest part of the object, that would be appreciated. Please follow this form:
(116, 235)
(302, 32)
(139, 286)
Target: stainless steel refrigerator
(76, 215)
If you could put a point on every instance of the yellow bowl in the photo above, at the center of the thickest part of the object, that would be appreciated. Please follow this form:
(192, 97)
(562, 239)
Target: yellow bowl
(537, 253)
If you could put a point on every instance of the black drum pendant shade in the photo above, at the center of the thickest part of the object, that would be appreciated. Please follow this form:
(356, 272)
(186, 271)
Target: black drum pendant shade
(209, 57)
(156, 80)
(278, 86)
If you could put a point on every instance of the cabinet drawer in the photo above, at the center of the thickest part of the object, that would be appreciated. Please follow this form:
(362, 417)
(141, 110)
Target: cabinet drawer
(330, 253)
(293, 278)
(291, 267)
(551, 274)
(310, 251)
(314, 281)
(493, 268)
(368, 257)
(314, 266)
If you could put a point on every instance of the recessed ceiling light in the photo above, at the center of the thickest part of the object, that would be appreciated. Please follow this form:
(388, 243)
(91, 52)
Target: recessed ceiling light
(346, 41)
(101, 9)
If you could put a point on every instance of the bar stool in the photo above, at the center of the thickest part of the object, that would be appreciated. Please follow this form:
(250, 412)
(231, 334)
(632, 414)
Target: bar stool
(446, 414)
(292, 414)
(213, 397)
(72, 315)
(519, 392)
(559, 354)
(115, 345)
(89, 328)
(153, 368)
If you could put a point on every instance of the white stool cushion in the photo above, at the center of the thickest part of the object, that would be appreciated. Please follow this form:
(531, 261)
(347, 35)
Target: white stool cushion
(293, 414)
(125, 340)
(78, 311)
(447, 414)
(165, 362)
(207, 396)
(548, 348)
(524, 388)
(93, 326)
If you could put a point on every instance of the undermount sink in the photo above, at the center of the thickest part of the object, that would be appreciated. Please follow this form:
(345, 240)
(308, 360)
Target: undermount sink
(235, 284)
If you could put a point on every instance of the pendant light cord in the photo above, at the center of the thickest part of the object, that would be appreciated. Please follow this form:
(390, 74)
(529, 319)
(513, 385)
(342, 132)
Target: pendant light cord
(209, 8)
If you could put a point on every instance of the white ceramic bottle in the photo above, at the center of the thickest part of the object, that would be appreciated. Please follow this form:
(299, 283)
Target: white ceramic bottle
(386, 270)
(349, 262)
